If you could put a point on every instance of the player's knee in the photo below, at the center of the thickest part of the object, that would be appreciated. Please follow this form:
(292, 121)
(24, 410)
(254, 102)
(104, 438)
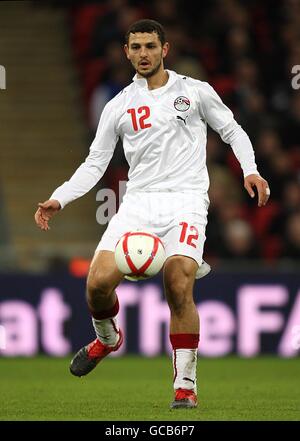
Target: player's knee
(98, 285)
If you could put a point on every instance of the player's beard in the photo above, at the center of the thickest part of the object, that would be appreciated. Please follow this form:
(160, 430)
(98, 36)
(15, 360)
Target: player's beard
(151, 72)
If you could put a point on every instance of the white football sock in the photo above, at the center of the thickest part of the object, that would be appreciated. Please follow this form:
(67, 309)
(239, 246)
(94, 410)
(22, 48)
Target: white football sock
(107, 330)
(185, 365)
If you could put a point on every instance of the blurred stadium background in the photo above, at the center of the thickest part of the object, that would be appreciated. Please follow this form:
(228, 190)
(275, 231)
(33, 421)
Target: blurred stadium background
(63, 61)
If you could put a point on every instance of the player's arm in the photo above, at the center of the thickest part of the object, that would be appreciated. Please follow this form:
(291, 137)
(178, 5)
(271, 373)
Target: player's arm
(220, 119)
(89, 172)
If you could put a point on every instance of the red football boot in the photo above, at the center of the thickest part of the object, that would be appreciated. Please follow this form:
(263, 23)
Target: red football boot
(89, 356)
(184, 399)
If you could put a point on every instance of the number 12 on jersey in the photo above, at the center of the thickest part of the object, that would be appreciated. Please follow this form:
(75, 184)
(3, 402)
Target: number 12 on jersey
(189, 239)
(140, 122)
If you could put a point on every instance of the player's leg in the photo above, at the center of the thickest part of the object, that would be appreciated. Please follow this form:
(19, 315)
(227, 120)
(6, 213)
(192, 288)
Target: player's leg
(103, 278)
(179, 277)
(102, 300)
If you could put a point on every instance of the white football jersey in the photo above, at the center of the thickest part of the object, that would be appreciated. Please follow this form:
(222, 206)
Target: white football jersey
(164, 138)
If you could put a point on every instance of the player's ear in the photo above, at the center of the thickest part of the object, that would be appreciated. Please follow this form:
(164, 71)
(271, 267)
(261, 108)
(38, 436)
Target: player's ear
(126, 50)
(165, 49)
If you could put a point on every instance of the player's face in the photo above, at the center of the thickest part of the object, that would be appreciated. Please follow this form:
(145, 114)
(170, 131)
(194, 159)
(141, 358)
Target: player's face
(146, 53)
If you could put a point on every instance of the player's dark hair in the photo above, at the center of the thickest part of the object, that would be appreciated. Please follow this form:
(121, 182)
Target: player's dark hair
(149, 26)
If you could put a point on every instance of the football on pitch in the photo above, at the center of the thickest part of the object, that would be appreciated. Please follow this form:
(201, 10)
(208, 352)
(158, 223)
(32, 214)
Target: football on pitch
(139, 255)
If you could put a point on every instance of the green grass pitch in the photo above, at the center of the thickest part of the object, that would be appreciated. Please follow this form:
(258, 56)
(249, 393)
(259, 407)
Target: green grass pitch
(135, 388)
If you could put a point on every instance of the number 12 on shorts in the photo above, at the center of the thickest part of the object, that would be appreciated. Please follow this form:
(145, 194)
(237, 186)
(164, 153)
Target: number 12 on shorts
(194, 234)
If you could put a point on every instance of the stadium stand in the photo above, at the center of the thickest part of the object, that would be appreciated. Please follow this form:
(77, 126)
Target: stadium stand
(42, 137)
(245, 49)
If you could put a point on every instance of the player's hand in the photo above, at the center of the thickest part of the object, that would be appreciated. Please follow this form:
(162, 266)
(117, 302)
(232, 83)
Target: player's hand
(44, 213)
(262, 187)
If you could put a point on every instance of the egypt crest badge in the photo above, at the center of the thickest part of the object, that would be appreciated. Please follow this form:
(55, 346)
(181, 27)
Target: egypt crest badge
(182, 104)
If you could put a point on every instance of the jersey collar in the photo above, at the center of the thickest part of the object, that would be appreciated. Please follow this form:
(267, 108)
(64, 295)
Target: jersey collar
(142, 82)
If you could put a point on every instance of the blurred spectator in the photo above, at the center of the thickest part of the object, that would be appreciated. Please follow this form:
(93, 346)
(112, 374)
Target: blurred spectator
(291, 248)
(238, 241)
(268, 145)
(223, 187)
(247, 80)
(280, 172)
(113, 82)
(292, 121)
(190, 67)
(252, 115)
(238, 46)
(112, 26)
(166, 12)
(225, 203)
(290, 203)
